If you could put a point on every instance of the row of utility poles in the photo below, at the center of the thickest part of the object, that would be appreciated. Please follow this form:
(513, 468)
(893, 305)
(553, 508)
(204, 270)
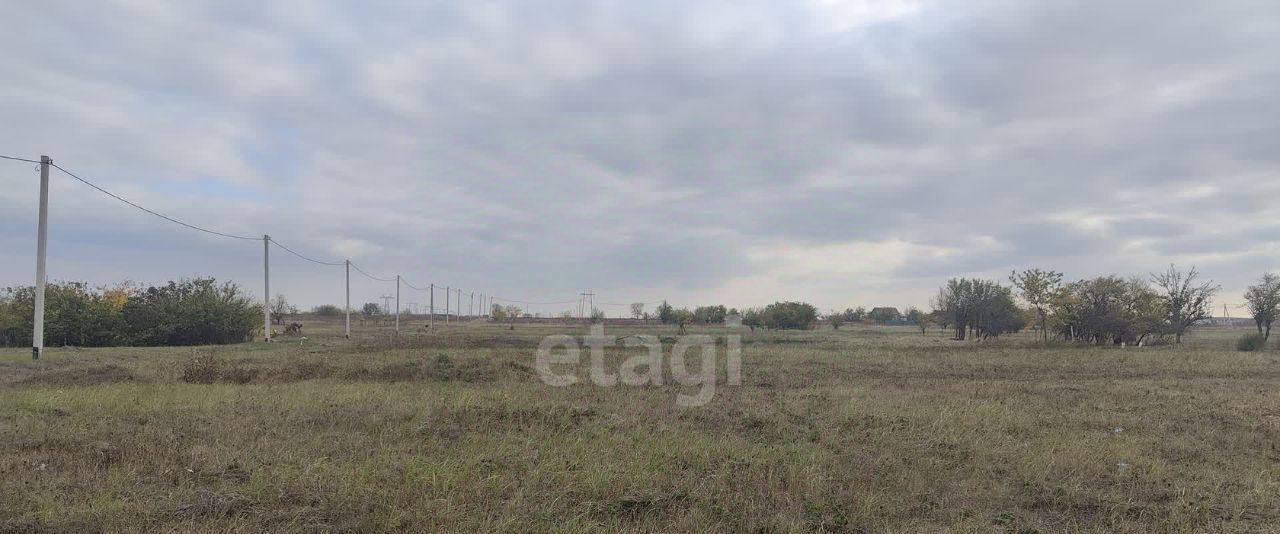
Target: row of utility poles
(42, 240)
(452, 307)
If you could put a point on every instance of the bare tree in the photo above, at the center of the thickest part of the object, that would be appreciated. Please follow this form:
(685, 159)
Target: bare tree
(981, 308)
(1263, 300)
(637, 310)
(280, 308)
(1037, 287)
(1186, 301)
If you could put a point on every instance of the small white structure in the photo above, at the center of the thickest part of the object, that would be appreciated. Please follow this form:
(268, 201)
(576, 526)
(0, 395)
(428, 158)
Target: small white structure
(733, 321)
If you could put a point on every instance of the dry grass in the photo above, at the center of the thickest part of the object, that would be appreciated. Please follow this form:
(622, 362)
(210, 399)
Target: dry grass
(861, 430)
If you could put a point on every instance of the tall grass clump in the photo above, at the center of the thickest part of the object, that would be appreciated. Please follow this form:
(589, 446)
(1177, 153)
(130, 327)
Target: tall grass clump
(1251, 342)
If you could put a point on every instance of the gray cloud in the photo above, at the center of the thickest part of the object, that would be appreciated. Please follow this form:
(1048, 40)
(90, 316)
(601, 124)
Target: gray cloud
(647, 150)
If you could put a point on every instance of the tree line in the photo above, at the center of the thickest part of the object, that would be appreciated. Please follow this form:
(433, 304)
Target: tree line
(197, 311)
(1106, 309)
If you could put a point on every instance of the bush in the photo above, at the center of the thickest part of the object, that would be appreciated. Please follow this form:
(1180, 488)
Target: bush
(208, 369)
(327, 310)
(74, 315)
(789, 315)
(1251, 342)
(191, 312)
(201, 369)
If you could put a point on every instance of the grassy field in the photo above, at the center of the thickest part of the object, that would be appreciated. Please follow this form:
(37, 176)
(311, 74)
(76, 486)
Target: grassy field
(857, 430)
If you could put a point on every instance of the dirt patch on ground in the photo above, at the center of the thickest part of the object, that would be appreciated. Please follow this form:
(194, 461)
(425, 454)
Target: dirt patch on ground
(80, 377)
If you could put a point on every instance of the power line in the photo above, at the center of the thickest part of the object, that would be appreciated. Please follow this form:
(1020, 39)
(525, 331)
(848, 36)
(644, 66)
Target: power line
(361, 271)
(253, 238)
(20, 159)
(534, 303)
(157, 214)
(291, 251)
(411, 286)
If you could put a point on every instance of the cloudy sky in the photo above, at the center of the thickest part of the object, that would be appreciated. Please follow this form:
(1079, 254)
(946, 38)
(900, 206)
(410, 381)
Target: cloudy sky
(840, 152)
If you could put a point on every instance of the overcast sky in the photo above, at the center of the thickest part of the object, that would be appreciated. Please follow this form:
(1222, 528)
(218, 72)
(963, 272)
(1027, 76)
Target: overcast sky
(842, 153)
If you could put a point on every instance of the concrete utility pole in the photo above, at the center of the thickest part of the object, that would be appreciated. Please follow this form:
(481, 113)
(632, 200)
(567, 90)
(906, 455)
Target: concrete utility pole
(459, 303)
(42, 245)
(348, 299)
(447, 293)
(431, 321)
(471, 308)
(397, 303)
(266, 287)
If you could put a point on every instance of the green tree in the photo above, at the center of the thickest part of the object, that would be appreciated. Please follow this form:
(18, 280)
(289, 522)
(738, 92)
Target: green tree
(789, 315)
(855, 315)
(1263, 300)
(1108, 309)
(710, 314)
(327, 310)
(883, 315)
(665, 313)
(195, 311)
(982, 308)
(1037, 288)
(75, 315)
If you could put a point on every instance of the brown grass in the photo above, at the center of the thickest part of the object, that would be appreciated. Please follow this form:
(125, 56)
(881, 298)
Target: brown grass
(861, 430)
(80, 377)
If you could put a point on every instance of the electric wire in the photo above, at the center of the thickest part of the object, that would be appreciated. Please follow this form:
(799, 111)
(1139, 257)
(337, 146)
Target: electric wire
(372, 277)
(534, 303)
(135, 205)
(411, 286)
(312, 260)
(156, 213)
(19, 159)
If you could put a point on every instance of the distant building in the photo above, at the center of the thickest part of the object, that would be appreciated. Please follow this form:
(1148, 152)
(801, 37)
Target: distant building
(1236, 322)
(884, 315)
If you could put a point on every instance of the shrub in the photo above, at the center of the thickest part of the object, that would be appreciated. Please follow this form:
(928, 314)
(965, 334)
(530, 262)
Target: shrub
(191, 312)
(1251, 342)
(327, 310)
(710, 314)
(789, 315)
(74, 315)
(208, 369)
(200, 369)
